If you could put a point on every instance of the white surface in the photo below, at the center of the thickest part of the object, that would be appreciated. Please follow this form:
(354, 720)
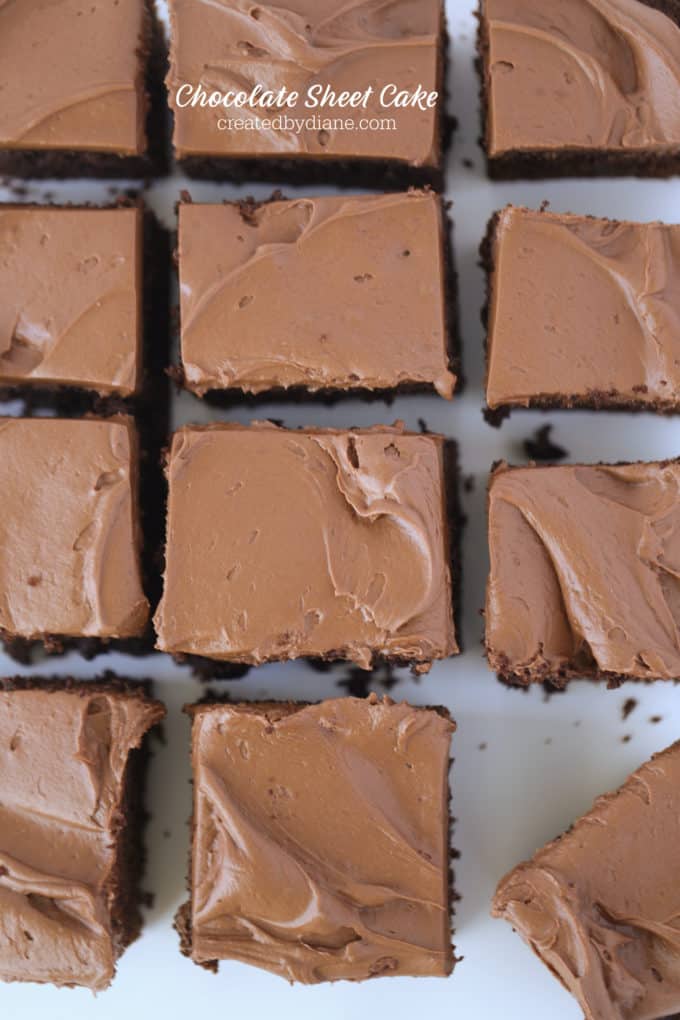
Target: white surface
(544, 760)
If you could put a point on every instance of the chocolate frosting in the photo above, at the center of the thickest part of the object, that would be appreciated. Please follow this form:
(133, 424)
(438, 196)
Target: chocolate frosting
(71, 76)
(62, 764)
(321, 839)
(70, 297)
(314, 543)
(585, 568)
(588, 74)
(301, 43)
(581, 307)
(69, 562)
(324, 292)
(601, 905)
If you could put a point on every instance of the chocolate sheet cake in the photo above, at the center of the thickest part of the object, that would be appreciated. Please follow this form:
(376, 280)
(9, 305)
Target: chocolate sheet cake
(588, 87)
(72, 766)
(320, 845)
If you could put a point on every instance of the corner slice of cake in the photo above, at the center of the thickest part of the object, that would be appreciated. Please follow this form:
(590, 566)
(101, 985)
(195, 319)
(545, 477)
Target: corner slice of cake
(600, 904)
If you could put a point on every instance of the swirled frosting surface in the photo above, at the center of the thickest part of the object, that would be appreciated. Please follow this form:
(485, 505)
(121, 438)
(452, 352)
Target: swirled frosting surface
(71, 75)
(321, 839)
(70, 297)
(583, 308)
(582, 74)
(326, 543)
(323, 292)
(585, 571)
(601, 904)
(62, 762)
(238, 44)
(69, 543)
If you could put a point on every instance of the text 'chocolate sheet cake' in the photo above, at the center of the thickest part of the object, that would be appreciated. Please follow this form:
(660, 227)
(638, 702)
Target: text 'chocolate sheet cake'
(600, 904)
(583, 312)
(317, 543)
(582, 87)
(320, 845)
(585, 573)
(317, 294)
(312, 49)
(81, 89)
(70, 535)
(71, 819)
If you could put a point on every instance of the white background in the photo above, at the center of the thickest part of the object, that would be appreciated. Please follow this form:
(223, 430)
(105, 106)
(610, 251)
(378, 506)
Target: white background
(543, 760)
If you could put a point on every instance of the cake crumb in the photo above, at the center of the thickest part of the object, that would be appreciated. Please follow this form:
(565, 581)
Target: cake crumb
(626, 738)
(541, 447)
(482, 746)
(655, 718)
(629, 705)
(359, 684)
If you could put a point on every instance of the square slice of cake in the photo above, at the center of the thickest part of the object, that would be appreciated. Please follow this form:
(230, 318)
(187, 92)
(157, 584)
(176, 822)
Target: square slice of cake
(309, 90)
(318, 543)
(325, 294)
(320, 846)
(599, 905)
(583, 312)
(585, 573)
(72, 766)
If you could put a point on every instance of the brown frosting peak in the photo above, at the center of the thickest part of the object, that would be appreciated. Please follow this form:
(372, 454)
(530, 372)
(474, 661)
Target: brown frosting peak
(585, 567)
(50, 99)
(62, 764)
(601, 904)
(319, 542)
(297, 44)
(583, 307)
(69, 548)
(70, 297)
(321, 839)
(587, 74)
(317, 292)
